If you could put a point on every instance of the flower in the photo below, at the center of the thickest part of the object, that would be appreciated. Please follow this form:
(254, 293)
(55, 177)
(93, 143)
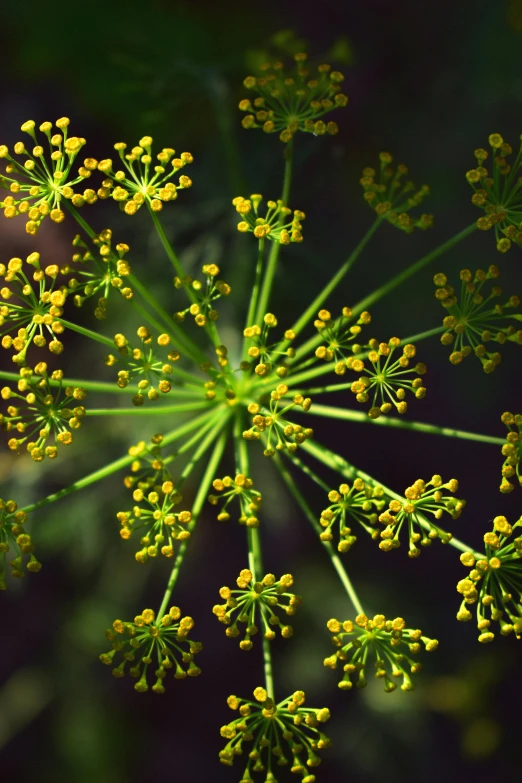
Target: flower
(36, 311)
(143, 362)
(265, 355)
(42, 411)
(241, 488)
(276, 729)
(389, 642)
(362, 502)
(141, 182)
(162, 526)
(498, 193)
(15, 540)
(148, 641)
(257, 599)
(272, 427)
(392, 198)
(512, 451)
(272, 226)
(421, 499)
(475, 321)
(385, 381)
(42, 181)
(148, 467)
(291, 101)
(339, 336)
(494, 583)
(207, 293)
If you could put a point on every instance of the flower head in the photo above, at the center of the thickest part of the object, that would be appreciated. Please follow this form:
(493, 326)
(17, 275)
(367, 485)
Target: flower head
(41, 408)
(142, 182)
(148, 468)
(162, 644)
(33, 310)
(263, 355)
(156, 520)
(15, 544)
(389, 642)
(512, 451)
(494, 583)
(386, 382)
(39, 184)
(143, 362)
(474, 319)
(282, 733)
(498, 192)
(294, 100)
(423, 502)
(207, 294)
(276, 225)
(339, 336)
(392, 197)
(256, 604)
(272, 426)
(361, 502)
(239, 488)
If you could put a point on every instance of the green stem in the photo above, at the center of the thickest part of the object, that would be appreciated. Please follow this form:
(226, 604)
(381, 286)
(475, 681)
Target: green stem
(334, 557)
(255, 291)
(267, 665)
(87, 333)
(149, 411)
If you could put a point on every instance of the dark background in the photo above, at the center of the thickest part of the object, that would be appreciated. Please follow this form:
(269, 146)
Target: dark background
(428, 82)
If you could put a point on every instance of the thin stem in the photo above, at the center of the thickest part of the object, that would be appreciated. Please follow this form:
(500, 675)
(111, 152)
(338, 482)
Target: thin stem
(255, 291)
(148, 411)
(87, 333)
(267, 665)
(334, 557)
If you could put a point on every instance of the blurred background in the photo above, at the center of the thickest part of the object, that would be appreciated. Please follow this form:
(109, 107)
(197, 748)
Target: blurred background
(428, 82)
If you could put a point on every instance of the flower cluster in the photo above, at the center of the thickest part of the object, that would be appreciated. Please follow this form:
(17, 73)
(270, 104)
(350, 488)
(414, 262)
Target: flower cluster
(363, 502)
(148, 641)
(15, 540)
(142, 182)
(34, 314)
(276, 224)
(264, 355)
(276, 432)
(494, 583)
(498, 192)
(475, 319)
(392, 198)
(41, 410)
(292, 101)
(206, 293)
(98, 273)
(241, 488)
(160, 524)
(421, 499)
(257, 600)
(148, 468)
(43, 180)
(339, 336)
(389, 642)
(275, 729)
(386, 382)
(143, 362)
(512, 451)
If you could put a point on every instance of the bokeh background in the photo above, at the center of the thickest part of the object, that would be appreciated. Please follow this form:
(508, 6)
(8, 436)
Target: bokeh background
(428, 82)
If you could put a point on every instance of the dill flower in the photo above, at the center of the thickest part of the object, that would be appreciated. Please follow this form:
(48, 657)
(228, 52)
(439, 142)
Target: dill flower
(362, 502)
(35, 311)
(475, 320)
(142, 182)
(386, 382)
(156, 519)
(148, 467)
(39, 410)
(99, 273)
(494, 583)
(498, 192)
(257, 600)
(15, 543)
(423, 502)
(239, 488)
(339, 336)
(276, 224)
(282, 733)
(143, 362)
(39, 184)
(207, 293)
(512, 451)
(392, 197)
(289, 101)
(273, 429)
(389, 642)
(163, 643)
(262, 353)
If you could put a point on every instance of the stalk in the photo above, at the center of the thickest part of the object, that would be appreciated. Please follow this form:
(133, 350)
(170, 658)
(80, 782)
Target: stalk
(157, 410)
